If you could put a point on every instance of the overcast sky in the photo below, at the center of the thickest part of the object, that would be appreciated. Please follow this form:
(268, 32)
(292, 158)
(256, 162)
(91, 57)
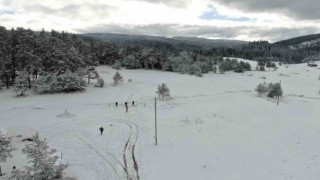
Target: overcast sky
(270, 20)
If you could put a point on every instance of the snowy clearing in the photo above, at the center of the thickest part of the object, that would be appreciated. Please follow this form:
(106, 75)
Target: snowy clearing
(215, 127)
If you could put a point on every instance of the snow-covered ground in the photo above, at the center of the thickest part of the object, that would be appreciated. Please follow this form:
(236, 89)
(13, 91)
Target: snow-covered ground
(215, 127)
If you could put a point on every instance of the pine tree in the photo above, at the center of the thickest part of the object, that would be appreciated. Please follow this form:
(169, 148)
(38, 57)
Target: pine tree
(91, 74)
(117, 77)
(262, 89)
(117, 65)
(100, 82)
(5, 149)
(195, 70)
(21, 84)
(43, 161)
(275, 90)
(163, 91)
(215, 69)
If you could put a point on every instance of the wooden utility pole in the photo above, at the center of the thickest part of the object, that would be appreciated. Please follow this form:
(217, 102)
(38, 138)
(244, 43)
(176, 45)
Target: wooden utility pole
(278, 98)
(155, 122)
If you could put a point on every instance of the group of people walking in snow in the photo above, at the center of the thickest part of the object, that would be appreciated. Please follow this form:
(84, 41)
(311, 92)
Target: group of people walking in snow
(126, 105)
(127, 108)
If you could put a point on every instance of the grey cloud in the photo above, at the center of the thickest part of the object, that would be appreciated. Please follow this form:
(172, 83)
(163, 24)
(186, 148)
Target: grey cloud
(296, 9)
(174, 3)
(168, 30)
(71, 10)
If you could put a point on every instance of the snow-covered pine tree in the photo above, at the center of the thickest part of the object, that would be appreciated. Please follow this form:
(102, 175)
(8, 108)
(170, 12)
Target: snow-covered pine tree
(5, 148)
(91, 74)
(275, 90)
(100, 82)
(195, 70)
(247, 66)
(262, 89)
(21, 83)
(215, 69)
(130, 62)
(44, 163)
(117, 65)
(163, 91)
(117, 77)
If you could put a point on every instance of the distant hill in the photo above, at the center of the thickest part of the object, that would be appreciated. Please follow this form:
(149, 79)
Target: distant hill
(299, 40)
(177, 43)
(210, 43)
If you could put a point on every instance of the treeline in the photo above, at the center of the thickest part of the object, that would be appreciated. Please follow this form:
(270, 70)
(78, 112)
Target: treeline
(48, 61)
(274, 52)
(24, 50)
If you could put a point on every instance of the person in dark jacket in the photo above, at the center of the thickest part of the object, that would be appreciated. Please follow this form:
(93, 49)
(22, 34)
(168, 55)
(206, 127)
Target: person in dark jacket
(126, 105)
(101, 130)
(132, 103)
(116, 104)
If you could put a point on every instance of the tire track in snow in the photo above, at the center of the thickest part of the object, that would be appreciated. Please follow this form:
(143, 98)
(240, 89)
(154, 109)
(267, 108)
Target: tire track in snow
(107, 159)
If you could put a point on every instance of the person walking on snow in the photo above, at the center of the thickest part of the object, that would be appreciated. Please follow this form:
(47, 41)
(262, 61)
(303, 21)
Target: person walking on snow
(116, 104)
(101, 130)
(126, 105)
(132, 103)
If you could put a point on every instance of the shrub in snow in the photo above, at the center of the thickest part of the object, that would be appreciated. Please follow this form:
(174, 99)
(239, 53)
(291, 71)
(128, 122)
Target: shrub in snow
(163, 91)
(117, 65)
(5, 149)
(239, 68)
(21, 83)
(53, 83)
(262, 68)
(262, 89)
(270, 64)
(215, 69)
(117, 77)
(275, 90)
(247, 66)
(195, 70)
(100, 82)
(43, 162)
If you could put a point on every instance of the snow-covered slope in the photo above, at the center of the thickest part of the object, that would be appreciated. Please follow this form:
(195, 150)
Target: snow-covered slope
(215, 127)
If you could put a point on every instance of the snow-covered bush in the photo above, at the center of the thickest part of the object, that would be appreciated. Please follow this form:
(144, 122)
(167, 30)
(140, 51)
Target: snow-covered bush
(163, 91)
(21, 83)
(239, 68)
(117, 65)
(262, 88)
(53, 83)
(275, 90)
(100, 82)
(272, 90)
(247, 66)
(262, 68)
(43, 162)
(270, 64)
(215, 69)
(117, 77)
(195, 70)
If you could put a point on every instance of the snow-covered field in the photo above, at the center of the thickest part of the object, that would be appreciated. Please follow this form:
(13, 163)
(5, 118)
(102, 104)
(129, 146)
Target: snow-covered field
(215, 127)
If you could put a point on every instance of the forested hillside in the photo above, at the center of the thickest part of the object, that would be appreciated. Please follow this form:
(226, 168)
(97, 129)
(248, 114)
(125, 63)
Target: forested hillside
(174, 44)
(58, 58)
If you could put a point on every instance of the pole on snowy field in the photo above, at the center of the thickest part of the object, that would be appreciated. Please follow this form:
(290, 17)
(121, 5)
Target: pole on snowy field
(155, 121)
(278, 98)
